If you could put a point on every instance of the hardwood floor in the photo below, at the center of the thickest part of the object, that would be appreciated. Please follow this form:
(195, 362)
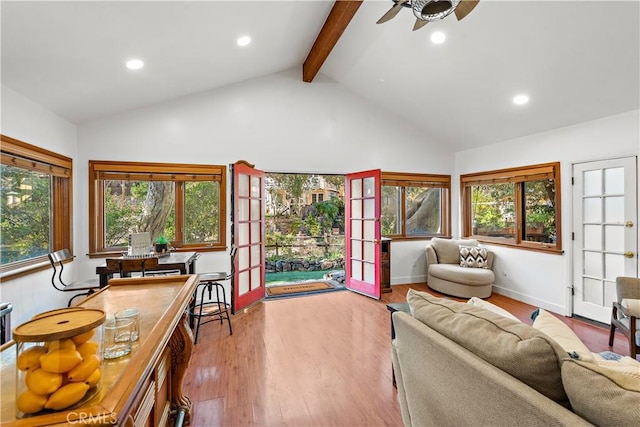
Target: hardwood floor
(318, 360)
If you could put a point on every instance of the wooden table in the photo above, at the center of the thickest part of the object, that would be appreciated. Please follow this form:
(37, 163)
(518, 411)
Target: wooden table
(185, 262)
(143, 388)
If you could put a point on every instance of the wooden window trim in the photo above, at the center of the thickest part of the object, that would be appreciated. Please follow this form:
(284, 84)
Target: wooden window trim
(402, 179)
(18, 153)
(174, 172)
(513, 175)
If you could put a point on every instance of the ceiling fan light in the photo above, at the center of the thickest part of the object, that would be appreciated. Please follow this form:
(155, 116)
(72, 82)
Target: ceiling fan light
(433, 10)
(433, 7)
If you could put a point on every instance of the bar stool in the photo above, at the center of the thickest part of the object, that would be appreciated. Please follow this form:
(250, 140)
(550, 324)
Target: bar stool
(214, 309)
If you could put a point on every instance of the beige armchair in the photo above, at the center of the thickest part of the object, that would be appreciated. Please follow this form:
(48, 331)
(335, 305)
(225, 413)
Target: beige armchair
(445, 275)
(625, 318)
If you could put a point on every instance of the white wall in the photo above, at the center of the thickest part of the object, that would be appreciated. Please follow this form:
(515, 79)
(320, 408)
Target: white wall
(538, 278)
(29, 122)
(277, 122)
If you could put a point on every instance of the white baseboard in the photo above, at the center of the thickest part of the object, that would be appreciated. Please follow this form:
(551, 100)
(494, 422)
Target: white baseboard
(405, 280)
(536, 302)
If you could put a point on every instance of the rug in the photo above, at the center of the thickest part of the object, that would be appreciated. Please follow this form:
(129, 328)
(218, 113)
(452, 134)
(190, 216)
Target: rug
(297, 289)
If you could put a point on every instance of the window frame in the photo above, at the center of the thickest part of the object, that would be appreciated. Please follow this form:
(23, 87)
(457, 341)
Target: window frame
(24, 155)
(100, 170)
(405, 179)
(518, 176)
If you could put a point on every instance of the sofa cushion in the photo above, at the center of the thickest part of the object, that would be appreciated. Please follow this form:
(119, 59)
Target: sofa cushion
(511, 346)
(479, 302)
(473, 257)
(448, 250)
(562, 334)
(466, 276)
(603, 395)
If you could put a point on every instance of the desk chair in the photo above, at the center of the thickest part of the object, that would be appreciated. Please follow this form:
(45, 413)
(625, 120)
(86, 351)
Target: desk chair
(627, 288)
(5, 322)
(86, 287)
(214, 309)
(125, 266)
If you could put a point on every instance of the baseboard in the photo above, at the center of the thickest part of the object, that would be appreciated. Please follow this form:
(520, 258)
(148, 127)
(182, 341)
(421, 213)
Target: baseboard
(407, 280)
(536, 302)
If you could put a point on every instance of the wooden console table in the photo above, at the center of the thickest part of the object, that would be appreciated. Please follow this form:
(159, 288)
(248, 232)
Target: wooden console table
(143, 388)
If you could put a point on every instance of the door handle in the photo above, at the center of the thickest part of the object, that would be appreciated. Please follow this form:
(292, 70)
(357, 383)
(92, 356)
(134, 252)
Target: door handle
(629, 254)
(628, 224)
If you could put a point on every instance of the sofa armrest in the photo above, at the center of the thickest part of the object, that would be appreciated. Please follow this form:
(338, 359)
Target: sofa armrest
(432, 258)
(490, 257)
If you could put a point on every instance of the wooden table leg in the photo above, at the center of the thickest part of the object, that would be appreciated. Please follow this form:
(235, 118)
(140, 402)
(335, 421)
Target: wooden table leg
(181, 344)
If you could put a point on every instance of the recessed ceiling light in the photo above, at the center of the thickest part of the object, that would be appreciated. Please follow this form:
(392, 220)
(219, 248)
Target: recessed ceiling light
(244, 40)
(135, 64)
(520, 99)
(438, 37)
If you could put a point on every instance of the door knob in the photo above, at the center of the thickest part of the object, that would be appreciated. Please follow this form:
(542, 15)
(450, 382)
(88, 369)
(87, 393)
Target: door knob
(629, 254)
(628, 224)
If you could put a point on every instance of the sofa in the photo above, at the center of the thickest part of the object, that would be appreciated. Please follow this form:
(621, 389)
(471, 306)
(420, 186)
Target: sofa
(459, 274)
(458, 364)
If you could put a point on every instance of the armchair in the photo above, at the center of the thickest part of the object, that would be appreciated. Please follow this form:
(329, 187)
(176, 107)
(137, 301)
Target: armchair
(625, 318)
(444, 273)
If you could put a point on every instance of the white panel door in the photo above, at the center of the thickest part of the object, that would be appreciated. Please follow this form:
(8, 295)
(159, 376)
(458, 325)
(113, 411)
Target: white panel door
(605, 233)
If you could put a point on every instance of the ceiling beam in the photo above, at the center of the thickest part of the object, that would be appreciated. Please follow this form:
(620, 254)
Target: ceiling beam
(334, 26)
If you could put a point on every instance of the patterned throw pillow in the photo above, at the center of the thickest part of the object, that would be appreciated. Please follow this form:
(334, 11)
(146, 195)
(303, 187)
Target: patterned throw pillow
(473, 257)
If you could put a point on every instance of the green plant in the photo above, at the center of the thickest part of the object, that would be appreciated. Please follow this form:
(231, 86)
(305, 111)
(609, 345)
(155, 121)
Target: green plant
(162, 240)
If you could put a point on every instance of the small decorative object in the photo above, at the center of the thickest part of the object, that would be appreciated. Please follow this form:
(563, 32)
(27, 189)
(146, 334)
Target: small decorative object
(162, 245)
(139, 244)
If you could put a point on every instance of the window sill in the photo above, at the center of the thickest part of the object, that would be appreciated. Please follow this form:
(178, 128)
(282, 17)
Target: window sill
(118, 253)
(528, 246)
(25, 270)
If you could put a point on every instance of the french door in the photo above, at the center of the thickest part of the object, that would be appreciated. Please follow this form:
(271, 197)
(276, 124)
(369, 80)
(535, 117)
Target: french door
(362, 232)
(248, 234)
(605, 233)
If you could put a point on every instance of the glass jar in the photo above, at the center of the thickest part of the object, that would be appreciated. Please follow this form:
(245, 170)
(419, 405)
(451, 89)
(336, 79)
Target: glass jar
(58, 360)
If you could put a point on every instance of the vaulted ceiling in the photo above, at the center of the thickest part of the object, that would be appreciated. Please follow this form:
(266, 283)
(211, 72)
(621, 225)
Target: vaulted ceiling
(577, 60)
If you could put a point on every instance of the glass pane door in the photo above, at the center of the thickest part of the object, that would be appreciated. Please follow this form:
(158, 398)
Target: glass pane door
(362, 229)
(248, 234)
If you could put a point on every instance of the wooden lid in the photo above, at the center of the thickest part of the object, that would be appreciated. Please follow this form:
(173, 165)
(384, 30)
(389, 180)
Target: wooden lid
(56, 311)
(58, 324)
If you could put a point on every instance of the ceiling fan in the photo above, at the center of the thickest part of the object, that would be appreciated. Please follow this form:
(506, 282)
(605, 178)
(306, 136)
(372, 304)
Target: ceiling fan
(426, 11)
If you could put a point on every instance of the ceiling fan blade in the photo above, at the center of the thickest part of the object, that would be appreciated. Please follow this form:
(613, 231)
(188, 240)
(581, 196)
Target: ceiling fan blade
(419, 24)
(464, 8)
(391, 13)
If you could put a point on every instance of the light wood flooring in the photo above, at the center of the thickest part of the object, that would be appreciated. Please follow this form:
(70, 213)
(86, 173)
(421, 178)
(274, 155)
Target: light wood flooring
(318, 360)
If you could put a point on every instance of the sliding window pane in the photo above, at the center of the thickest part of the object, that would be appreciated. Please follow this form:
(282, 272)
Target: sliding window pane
(391, 213)
(201, 212)
(493, 210)
(540, 211)
(423, 207)
(138, 206)
(26, 223)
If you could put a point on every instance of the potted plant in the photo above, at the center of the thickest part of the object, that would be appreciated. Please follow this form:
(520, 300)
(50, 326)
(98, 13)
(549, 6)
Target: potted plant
(162, 245)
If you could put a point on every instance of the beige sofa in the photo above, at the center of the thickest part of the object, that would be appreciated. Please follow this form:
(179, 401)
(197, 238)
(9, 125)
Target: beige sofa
(456, 364)
(444, 273)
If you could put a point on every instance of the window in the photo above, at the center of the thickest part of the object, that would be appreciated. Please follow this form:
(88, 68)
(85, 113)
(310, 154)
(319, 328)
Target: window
(36, 205)
(184, 203)
(415, 205)
(516, 207)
